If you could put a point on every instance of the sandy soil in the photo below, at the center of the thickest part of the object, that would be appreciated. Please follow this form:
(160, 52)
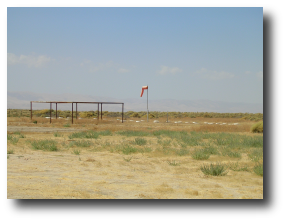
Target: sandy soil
(36, 174)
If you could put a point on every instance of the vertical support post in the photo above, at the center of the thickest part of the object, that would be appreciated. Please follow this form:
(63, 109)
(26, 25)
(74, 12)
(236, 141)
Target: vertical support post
(122, 111)
(72, 113)
(97, 112)
(101, 111)
(76, 110)
(31, 109)
(50, 112)
(147, 104)
(56, 110)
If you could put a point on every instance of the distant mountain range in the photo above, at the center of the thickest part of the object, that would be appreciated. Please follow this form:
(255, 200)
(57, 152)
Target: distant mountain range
(21, 100)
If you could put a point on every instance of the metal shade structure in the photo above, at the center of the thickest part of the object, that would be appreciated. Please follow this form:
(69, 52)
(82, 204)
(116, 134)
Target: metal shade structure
(56, 102)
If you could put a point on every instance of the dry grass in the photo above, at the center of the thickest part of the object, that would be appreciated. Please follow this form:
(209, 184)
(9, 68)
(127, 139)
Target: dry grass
(115, 166)
(113, 124)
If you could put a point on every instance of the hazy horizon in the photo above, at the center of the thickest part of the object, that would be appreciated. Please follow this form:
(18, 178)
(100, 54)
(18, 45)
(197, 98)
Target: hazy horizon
(21, 100)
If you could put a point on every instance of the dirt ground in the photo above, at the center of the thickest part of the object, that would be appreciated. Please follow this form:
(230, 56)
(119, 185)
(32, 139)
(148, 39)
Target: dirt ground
(37, 174)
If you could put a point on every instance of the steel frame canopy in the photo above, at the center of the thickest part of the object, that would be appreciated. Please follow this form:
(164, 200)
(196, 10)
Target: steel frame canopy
(56, 102)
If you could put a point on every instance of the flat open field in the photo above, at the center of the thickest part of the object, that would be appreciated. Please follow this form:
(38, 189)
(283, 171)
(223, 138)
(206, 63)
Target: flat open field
(133, 160)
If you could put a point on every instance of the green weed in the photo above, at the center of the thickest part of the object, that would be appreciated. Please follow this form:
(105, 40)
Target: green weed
(256, 155)
(140, 141)
(258, 169)
(9, 137)
(128, 159)
(76, 152)
(80, 143)
(200, 155)
(182, 152)
(214, 169)
(47, 145)
(13, 140)
(10, 152)
(226, 151)
(56, 134)
(236, 167)
(129, 149)
(173, 163)
(90, 134)
(133, 133)
(210, 150)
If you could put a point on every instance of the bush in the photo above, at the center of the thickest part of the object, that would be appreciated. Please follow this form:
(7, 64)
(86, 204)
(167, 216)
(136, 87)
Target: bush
(135, 115)
(140, 141)
(214, 170)
(257, 127)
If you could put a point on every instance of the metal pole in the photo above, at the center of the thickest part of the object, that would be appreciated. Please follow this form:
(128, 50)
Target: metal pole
(76, 111)
(147, 104)
(122, 111)
(101, 111)
(97, 112)
(56, 110)
(72, 113)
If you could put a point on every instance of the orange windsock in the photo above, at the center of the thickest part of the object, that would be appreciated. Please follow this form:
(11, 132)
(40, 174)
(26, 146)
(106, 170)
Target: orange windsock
(143, 88)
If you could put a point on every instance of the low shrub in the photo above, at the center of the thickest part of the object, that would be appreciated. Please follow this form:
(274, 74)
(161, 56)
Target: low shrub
(257, 127)
(140, 141)
(214, 169)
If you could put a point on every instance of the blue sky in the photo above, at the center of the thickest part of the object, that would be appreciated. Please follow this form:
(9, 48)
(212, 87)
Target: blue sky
(181, 53)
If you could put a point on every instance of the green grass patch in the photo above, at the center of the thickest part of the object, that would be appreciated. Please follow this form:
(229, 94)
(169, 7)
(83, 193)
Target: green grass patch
(80, 143)
(237, 167)
(129, 149)
(139, 141)
(256, 155)
(90, 134)
(56, 134)
(129, 133)
(10, 152)
(211, 150)
(9, 137)
(226, 151)
(47, 145)
(258, 169)
(182, 152)
(200, 155)
(214, 169)
(12, 139)
(256, 141)
(76, 152)
(164, 143)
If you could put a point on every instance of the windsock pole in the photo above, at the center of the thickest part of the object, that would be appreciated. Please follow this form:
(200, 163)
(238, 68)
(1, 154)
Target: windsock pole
(142, 91)
(147, 104)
